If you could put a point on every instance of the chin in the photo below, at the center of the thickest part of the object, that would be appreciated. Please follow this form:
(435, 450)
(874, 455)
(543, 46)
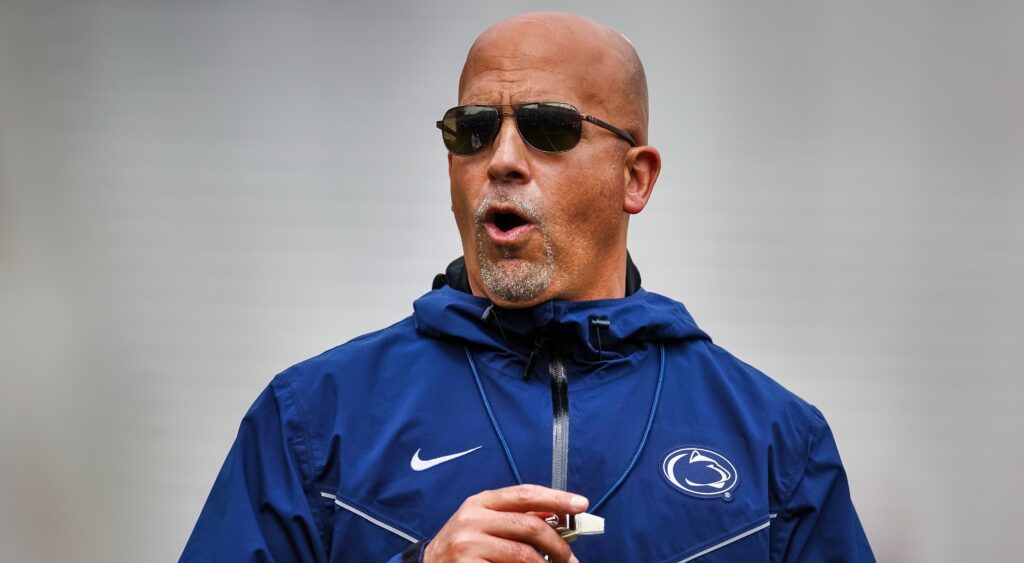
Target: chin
(515, 283)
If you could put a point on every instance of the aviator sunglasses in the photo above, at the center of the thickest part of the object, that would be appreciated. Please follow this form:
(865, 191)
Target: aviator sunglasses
(545, 126)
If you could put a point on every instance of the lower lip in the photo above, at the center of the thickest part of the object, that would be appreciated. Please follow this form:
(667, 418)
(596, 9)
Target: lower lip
(511, 236)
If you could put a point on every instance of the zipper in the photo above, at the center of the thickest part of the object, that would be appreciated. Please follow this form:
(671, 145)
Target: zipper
(594, 508)
(559, 423)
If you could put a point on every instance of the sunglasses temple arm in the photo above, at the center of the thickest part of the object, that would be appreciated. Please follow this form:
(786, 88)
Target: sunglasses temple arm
(445, 128)
(611, 128)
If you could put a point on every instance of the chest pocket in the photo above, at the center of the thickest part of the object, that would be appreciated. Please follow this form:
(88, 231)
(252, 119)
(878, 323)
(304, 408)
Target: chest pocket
(362, 535)
(749, 544)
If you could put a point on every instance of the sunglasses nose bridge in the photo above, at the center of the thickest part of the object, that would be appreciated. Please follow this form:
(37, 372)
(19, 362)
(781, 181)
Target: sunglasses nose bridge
(507, 160)
(504, 116)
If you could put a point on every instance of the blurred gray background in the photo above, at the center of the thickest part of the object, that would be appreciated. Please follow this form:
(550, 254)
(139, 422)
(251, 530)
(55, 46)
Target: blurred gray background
(196, 195)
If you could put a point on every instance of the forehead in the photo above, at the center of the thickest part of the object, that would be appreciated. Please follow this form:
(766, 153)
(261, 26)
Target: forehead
(525, 67)
(528, 85)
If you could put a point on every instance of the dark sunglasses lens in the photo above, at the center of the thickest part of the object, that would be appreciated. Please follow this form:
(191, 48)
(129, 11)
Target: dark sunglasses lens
(549, 127)
(467, 129)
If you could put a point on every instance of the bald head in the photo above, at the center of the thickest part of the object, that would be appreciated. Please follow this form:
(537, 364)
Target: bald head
(599, 64)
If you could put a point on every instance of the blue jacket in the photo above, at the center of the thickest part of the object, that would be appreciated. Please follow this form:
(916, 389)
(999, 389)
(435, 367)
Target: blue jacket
(687, 453)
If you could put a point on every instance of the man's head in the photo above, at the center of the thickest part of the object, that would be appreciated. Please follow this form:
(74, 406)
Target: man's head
(552, 225)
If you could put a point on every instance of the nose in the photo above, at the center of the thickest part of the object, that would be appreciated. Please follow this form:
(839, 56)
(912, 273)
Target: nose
(508, 160)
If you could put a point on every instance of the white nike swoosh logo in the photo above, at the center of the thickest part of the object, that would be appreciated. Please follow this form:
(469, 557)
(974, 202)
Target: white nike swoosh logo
(418, 464)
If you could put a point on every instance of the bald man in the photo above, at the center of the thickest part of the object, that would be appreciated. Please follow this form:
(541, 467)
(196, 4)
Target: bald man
(539, 404)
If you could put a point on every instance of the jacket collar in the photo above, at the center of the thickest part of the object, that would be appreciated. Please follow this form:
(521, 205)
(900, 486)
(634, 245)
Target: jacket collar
(601, 329)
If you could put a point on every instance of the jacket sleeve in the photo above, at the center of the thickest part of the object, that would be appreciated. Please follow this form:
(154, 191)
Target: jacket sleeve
(263, 506)
(819, 522)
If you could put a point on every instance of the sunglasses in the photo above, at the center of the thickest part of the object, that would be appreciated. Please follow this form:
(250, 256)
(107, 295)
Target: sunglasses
(545, 126)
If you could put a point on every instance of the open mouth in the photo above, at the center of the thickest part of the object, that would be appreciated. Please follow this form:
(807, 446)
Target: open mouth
(506, 226)
(506, 221)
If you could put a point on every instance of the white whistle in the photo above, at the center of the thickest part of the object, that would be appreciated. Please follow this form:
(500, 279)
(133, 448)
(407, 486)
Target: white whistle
(571, 526)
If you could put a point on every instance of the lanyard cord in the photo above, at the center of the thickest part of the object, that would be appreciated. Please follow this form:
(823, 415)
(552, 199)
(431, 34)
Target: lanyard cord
(632, 463)
(647, 431)
(494, 421)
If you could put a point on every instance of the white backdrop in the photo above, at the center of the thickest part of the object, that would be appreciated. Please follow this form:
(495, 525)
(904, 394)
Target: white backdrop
(195, 195)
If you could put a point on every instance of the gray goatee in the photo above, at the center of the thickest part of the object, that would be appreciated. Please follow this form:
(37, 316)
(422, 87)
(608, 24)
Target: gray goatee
(511, 279)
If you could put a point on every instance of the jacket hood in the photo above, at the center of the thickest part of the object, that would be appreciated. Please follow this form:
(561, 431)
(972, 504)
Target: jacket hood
(589, 329)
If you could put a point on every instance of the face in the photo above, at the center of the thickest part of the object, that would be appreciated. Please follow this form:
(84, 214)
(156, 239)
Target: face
(537, 226)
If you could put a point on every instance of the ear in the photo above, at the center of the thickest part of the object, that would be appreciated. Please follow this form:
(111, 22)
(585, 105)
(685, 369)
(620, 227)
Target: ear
(641, 169)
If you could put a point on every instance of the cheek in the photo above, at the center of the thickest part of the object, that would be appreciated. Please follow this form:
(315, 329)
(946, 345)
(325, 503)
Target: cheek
(460, 177)
(597, 194)
(462, 208)
(466, 193)
(590, 206)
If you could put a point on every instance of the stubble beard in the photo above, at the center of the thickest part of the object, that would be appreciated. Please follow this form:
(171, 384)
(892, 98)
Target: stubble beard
(511, 278)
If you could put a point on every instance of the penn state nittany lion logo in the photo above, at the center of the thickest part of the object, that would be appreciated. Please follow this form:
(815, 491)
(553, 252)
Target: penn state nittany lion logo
(700, 472)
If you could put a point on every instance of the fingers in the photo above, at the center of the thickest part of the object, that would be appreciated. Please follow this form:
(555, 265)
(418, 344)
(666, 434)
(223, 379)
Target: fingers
(525, 498)
(502, 525)
(527, 529)
(507, 550)
(472, 540)
(480, 548)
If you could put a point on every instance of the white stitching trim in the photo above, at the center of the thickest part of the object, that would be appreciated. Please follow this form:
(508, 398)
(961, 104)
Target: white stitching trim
(369, 518)
(737, 537)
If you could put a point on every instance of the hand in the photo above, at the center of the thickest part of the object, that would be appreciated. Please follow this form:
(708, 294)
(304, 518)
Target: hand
(496, 526)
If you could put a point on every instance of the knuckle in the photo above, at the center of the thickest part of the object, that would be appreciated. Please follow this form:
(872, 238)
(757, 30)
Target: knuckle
(515, 551)
(485, 498)
(465, 518)
(535, 526)
(523, 494)
(460, 541)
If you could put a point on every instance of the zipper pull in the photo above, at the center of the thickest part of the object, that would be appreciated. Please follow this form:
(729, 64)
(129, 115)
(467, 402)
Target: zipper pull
(599, 322)
(538, 345)
(490, 313)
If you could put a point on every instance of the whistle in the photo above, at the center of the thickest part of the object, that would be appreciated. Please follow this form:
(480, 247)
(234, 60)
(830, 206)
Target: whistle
(572, 526)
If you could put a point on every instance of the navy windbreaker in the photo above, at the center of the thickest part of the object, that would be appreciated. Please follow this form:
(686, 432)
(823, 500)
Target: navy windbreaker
(686, 452)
